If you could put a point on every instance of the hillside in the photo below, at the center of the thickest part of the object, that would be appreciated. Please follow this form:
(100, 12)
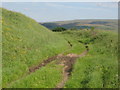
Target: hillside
(25, 44)
(99, 68)
(83, 24)
(35, 57)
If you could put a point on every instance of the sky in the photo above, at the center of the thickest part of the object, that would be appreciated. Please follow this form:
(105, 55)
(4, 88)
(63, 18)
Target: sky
(60, 11)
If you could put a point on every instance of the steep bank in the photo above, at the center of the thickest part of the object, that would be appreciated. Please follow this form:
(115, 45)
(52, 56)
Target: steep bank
(25, 43)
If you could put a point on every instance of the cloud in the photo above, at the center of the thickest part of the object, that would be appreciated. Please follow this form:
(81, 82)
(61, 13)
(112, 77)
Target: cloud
(108, 5)
(60, 5)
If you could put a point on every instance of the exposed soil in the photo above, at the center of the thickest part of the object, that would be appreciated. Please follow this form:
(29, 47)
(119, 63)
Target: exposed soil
(44, 63)
(68, 62)
(70, 43)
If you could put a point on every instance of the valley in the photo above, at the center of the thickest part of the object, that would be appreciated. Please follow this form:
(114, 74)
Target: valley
(33, 56)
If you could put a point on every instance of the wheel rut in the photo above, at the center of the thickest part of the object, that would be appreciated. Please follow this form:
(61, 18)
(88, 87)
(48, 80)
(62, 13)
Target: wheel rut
(44, 63)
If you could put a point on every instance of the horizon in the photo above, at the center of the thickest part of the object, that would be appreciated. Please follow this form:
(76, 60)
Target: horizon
(75, 19)
(64, 11)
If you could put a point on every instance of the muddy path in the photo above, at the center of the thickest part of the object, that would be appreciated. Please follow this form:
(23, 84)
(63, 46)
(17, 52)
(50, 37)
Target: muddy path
(67, 62)
(68, 59)
(44, 63)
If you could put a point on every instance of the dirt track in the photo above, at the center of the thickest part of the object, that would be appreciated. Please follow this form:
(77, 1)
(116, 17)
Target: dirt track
(68, 62)
(44, 63)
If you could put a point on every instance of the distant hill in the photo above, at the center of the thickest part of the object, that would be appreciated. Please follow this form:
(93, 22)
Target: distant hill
(84, 24)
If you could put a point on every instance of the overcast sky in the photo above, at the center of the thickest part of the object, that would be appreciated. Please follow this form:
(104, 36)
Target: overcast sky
(59, 11)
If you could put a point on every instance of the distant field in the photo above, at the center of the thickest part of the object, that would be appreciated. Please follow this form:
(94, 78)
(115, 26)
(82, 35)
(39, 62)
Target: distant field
(84, 24)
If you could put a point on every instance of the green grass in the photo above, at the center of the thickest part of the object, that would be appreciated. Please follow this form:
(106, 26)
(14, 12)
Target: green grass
(46, 77)
(99, 69)
(25, 44)
(73, 38)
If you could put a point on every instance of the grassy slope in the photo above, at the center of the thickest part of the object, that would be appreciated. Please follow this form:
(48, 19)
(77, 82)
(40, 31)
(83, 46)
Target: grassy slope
(73, 38)
(25, 44)
(100, 67)
(46, 77)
